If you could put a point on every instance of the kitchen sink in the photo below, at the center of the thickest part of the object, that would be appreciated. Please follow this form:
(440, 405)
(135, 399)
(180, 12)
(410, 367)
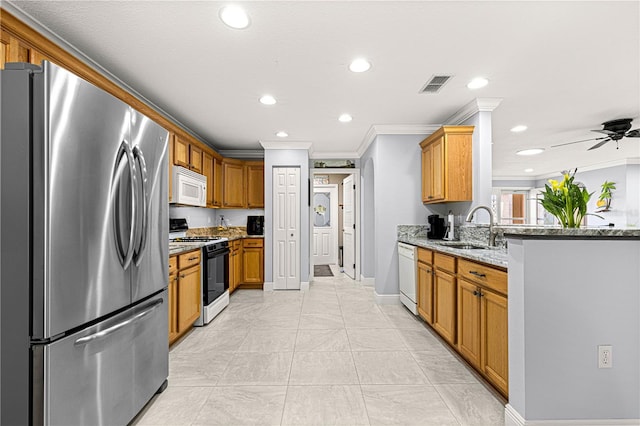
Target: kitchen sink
(463, 246)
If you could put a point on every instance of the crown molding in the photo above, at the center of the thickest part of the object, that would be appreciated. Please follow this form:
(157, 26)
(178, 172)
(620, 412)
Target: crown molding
(394, 129)
(286, 145)
(335, 155)
(473, 107)
(242, 153)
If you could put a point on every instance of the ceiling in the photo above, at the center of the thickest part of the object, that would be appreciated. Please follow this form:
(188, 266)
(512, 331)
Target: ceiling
(561, 68)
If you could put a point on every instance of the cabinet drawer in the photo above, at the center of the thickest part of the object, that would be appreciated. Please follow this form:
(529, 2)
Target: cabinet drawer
(425, 256)
(235, 244)
(487, 276)
(173, 264)
(444, 262)
(189, 259)
(253, 242)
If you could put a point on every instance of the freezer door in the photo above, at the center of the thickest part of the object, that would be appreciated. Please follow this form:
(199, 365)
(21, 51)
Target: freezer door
(105, 374)
(151, 249)
(82, 179)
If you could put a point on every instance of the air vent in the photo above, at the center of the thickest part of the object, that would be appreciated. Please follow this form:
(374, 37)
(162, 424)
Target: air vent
(435, 83)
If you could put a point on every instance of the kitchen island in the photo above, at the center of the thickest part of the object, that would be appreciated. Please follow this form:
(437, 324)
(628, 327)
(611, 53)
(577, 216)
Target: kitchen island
(571, 292)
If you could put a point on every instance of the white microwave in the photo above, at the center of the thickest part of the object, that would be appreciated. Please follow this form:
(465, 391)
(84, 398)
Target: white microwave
(189, 188)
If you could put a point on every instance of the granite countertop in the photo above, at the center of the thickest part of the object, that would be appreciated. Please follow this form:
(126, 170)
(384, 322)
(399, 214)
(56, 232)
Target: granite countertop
(232, 233)
(490, 255)
(573, 233)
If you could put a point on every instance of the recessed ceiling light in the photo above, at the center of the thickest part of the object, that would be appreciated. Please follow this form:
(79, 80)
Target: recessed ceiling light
(528, 170)
(267, 100)
(282, 134)
(532, 151)
(345, 118)
(234, 17)
(360, 65)
(519, 128)
(477, 83)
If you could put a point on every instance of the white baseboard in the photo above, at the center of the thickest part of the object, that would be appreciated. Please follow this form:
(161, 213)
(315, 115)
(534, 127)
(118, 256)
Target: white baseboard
(386, 299)
(369, 282)
(304, 286)
(513, 418)
(267, 286)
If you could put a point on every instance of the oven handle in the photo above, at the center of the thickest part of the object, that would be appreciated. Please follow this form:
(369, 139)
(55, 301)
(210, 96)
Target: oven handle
(218, 253)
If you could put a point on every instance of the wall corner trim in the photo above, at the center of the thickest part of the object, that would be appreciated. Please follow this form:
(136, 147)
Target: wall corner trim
(304, 286)
(513, 418)
(267, 286)
(395, 129)
(286, 145)
(368, 282)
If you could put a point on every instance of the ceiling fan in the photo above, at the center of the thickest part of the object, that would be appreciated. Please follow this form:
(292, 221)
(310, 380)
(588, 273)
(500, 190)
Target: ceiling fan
(614, 131)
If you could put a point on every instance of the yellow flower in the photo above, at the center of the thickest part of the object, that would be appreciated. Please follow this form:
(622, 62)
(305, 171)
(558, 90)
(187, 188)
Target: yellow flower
(554, 184)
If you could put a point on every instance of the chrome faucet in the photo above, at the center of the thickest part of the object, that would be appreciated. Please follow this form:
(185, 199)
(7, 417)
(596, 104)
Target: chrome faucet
(492, 233)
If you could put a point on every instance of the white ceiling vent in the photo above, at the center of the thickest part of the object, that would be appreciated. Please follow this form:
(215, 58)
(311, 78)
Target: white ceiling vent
(435, 83)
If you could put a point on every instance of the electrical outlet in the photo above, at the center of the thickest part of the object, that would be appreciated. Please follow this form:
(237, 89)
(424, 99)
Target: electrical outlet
(605, 356)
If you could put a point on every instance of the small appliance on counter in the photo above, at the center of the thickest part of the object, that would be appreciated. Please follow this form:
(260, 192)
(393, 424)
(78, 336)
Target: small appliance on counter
(436, 227)
(450, 233)
(255, 225)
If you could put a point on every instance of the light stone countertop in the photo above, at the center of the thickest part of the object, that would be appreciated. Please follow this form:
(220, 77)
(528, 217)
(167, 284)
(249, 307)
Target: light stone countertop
(573, 233)
(490, 255)
(231, 233)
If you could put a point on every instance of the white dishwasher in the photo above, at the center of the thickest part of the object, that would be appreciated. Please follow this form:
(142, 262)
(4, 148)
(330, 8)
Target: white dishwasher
(407, 276)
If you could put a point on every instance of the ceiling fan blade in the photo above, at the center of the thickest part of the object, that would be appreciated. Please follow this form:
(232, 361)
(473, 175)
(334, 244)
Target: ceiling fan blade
(584, 140)
(635, 133)
(606, 132)
(599, 144)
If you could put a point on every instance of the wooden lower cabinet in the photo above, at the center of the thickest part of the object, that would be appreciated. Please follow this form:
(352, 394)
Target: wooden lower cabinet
(494, 338)
(252, 261)
(173, 307)
(466, 303)
(444, 305)
(188, 297)
(246, 263)
(425, 291)
(469, 322)
(184, 293)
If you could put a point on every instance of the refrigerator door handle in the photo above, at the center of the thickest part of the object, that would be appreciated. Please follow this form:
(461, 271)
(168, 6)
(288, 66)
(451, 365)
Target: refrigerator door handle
(125, 151)
(137, 153)
(106, 332)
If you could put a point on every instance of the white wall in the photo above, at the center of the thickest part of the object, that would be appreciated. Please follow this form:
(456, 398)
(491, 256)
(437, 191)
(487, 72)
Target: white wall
(286, 158)
(197, 217)
(396, 194)
(237, 217)
(566, 297)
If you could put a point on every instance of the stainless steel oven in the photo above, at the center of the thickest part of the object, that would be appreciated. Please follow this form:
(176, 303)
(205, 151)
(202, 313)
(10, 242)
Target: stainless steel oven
(215, 273)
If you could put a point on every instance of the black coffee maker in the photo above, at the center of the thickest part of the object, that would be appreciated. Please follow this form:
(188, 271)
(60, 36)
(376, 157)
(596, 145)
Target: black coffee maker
(436, 227)
(255, 225)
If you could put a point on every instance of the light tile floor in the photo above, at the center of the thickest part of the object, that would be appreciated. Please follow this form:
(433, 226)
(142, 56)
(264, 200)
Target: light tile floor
(329, 356)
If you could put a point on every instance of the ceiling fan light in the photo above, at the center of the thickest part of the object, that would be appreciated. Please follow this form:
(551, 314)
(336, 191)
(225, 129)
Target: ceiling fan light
(531, 151)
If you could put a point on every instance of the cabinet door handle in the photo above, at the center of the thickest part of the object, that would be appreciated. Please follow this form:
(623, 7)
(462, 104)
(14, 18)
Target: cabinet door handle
(477, 274)
(478, 293)
(192, 258)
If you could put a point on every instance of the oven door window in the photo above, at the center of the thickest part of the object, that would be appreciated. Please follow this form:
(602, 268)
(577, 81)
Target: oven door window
(217, 277)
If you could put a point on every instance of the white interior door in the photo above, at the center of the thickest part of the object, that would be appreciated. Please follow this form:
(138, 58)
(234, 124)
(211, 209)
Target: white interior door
(325, 224)
(348, 232)
(286, 228)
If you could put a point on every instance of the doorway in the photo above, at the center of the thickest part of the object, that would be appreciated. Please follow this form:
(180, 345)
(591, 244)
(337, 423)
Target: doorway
(347, 244)
(286, 228)
(325, 224)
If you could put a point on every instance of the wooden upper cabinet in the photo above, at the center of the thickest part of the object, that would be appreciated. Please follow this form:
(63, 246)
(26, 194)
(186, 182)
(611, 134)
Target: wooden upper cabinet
(180, 152)
(195, 158)
(217, 182)
(447, 165)
(14, 50)
(234, 185)
(208, 170)
(255, 184)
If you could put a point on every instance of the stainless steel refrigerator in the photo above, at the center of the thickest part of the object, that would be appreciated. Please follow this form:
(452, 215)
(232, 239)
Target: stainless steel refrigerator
(84, 252)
